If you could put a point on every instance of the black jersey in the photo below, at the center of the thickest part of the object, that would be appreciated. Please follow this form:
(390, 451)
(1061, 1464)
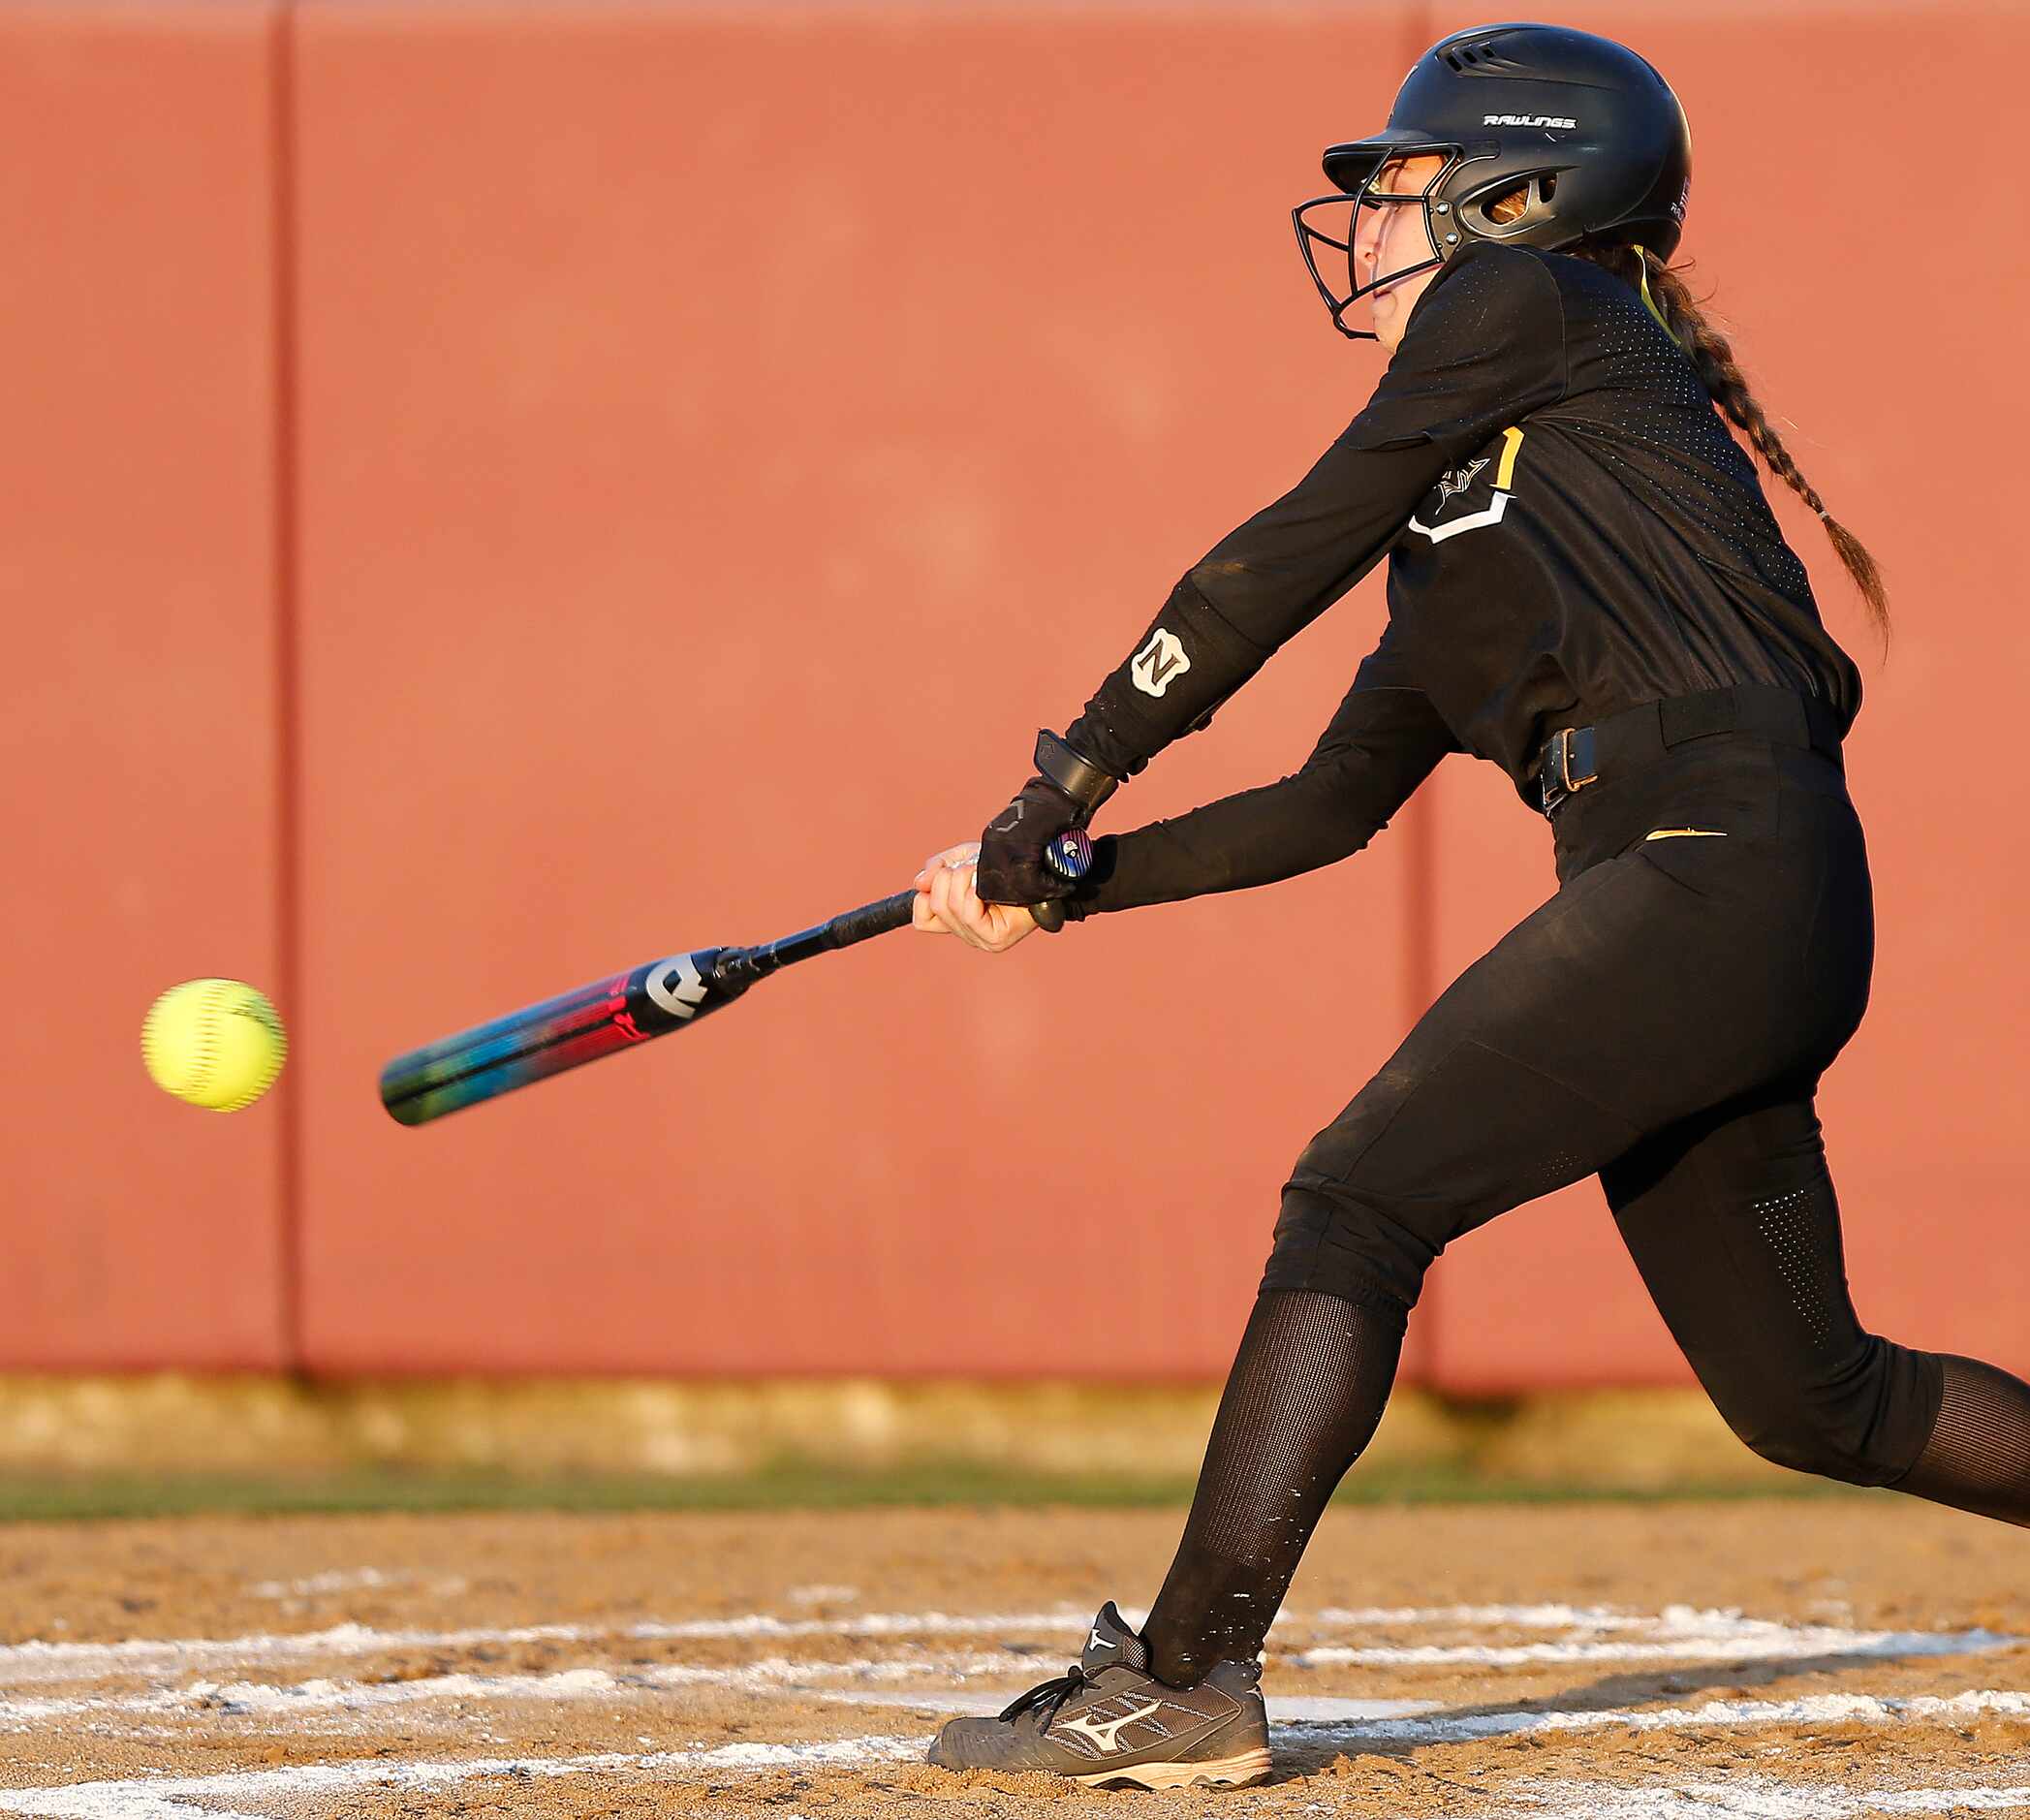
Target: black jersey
(1572, 530)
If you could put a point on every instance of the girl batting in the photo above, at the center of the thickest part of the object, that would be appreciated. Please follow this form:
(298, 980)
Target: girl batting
(1587, 589)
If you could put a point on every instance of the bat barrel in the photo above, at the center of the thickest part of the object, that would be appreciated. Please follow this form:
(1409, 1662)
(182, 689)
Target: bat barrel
(561, 1033)
(604, 1016)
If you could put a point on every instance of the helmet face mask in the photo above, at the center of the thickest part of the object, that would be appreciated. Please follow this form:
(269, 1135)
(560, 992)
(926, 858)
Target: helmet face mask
(1318, 243)
(1581, 130)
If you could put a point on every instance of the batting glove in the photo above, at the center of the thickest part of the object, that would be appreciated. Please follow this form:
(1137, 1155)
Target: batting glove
(1066, 791)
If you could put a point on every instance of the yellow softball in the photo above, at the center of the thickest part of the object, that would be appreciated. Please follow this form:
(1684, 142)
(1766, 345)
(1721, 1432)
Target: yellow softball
(214, 1043)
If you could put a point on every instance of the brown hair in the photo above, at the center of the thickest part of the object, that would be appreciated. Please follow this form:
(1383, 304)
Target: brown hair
(1665, 292)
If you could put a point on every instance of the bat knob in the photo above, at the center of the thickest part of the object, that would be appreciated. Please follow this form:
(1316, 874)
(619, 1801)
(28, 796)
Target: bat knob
(1071, 854)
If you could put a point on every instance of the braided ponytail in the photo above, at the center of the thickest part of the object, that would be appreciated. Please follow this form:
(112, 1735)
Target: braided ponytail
(1712, 356)
(1671, 302)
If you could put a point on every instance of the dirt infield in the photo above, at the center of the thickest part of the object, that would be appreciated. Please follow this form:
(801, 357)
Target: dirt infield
(1791, 1661)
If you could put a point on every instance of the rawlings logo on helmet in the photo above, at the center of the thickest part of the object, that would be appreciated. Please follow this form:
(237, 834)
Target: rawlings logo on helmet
(1528, 119)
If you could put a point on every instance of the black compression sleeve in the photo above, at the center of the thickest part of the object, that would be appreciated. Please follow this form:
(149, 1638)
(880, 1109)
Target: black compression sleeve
(1382, 743)
(1485, 346)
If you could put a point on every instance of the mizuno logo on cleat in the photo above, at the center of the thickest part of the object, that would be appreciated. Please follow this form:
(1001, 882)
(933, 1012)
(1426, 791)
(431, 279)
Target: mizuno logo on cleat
(1108, 1736)
(1098, 1642)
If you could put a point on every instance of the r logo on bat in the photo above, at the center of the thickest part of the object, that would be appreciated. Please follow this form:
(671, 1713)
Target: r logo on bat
(677, 986)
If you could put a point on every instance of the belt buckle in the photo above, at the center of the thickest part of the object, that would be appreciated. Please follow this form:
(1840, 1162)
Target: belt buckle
(1569, 764)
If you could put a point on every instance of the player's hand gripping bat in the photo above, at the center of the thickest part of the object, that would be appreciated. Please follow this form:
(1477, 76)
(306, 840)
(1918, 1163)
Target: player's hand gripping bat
(627, 1008)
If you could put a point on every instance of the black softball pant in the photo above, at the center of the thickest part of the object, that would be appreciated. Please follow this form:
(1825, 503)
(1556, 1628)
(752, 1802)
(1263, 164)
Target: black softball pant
(1662, 1022)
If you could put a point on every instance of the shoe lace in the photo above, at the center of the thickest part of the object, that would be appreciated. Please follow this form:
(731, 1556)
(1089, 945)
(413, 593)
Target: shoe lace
(1049, 1695)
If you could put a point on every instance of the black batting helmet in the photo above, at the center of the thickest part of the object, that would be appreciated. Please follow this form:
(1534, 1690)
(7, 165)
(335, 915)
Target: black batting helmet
(1587, 129)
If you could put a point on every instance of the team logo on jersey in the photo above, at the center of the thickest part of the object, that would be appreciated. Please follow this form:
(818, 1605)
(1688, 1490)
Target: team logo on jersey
(1459, 478)
(1460, 481)
(1159, 663)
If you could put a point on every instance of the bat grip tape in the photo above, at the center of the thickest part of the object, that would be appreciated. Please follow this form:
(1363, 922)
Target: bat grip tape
(874, 919)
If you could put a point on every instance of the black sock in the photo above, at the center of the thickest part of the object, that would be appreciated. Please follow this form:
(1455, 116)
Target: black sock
(1978, 1455)
(1304, 1398)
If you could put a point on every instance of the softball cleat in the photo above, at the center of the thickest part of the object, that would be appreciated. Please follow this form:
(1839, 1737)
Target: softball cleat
(1107, 1721)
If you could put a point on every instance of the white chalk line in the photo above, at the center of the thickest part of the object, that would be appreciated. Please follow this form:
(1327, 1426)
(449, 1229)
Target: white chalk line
(1879, 1644)
(1376, 1720)
(37, 1660)
(1750, 1797)
(172, 1797)
(1740, 1798)
(260, 1700)
(1541, 1616)
(1322, 1720)
(1679, 1633)
(1812, 1709)
(23, 1663)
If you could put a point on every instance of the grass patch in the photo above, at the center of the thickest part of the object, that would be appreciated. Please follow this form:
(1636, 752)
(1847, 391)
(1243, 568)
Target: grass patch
(787, 1485)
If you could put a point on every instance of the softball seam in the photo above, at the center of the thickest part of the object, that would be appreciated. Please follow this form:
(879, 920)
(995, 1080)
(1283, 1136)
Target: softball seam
(277, 1054)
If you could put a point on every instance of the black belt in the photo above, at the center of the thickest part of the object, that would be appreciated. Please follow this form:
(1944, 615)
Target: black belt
(1575, 757)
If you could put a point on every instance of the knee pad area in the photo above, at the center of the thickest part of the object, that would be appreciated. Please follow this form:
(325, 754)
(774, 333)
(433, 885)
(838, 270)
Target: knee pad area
(1329, 1241)
(1863, 1424)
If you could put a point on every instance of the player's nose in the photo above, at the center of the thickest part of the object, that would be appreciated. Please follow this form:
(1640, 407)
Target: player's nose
(1367, 236)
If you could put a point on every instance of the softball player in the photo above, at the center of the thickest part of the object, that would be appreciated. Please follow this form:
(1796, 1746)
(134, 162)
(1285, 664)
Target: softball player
(1586, 587)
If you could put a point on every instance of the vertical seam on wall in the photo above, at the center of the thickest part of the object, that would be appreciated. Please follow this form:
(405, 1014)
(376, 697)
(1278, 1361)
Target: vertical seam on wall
(1419, 905)
(282, 141)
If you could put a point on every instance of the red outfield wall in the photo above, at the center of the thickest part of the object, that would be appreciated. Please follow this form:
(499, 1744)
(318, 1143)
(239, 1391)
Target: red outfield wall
(138, 709)
(504, 491)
